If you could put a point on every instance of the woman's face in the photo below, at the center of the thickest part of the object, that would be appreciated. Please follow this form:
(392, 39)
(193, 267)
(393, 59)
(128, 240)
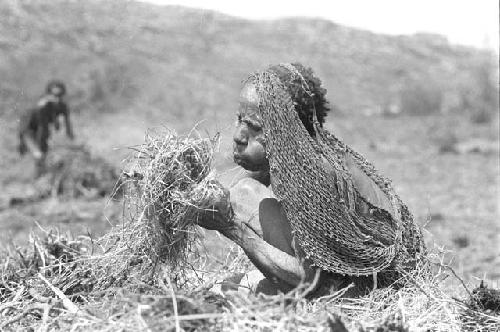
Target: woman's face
(249, 143)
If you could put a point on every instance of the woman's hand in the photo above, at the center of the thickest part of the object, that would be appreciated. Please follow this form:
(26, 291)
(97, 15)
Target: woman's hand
(219, 214)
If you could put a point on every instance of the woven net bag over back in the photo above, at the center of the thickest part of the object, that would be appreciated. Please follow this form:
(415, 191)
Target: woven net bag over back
(310, 178)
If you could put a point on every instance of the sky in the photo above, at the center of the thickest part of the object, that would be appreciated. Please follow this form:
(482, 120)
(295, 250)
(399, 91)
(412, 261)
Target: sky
(467, 22)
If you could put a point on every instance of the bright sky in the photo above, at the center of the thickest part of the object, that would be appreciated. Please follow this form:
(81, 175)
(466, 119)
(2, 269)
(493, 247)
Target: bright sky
(469, 22)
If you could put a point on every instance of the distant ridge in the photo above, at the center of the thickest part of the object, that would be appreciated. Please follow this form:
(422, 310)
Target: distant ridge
(191, 62)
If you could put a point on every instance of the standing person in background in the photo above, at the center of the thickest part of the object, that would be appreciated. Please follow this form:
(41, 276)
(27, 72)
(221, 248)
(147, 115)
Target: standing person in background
(34, 129)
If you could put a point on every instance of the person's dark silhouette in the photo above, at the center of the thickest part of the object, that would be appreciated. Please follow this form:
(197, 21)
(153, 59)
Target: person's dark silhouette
(35, 123)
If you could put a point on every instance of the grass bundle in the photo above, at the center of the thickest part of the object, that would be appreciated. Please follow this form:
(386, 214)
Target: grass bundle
(170, 184)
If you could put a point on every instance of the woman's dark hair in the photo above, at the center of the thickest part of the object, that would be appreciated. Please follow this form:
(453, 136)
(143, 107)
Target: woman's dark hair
(56, 83)
(305, 100)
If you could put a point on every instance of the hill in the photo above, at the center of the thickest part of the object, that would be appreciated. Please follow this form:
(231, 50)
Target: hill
(176, 64)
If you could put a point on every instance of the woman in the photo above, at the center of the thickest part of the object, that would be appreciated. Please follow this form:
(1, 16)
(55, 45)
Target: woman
(323, 215)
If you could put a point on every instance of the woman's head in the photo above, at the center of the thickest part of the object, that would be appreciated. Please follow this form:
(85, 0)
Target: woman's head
(308, 97)
(249, 141)
(306, 93)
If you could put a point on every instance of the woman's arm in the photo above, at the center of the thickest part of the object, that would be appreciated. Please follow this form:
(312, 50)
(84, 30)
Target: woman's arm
(261, 230)
(271, 261)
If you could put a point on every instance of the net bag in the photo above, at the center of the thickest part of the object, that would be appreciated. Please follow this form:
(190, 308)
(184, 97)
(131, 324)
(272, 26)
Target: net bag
(310, 178)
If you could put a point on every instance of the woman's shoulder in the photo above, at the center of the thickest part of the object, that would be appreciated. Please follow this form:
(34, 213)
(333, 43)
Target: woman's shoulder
(246, 194)
(239, 177)
(248, 188)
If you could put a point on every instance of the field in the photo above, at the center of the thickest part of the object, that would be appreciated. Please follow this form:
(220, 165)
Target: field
(444, 162)
(454, 195)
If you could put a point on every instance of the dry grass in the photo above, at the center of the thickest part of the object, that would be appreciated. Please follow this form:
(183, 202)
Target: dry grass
(146, 274)
(170, 183)
(52, 286)
(72, 172)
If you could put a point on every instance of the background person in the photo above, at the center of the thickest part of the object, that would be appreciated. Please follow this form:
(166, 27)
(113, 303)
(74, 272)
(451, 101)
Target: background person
(35, 124)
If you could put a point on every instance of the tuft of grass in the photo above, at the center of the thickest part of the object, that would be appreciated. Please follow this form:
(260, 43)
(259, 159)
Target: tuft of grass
(51, 285)
(171, 183)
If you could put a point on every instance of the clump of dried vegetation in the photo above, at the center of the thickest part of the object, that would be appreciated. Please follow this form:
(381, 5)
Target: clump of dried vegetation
(171, 182)
(147, 274)
(72, 172)
(55, 285)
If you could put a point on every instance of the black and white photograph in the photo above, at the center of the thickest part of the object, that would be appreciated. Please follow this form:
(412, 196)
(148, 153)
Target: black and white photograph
(218, 165)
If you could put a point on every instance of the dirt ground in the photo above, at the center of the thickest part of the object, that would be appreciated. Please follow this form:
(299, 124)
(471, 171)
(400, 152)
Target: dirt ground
(452, 190)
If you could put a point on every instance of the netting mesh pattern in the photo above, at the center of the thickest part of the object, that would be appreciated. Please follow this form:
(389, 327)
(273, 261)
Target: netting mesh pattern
(310, 179)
